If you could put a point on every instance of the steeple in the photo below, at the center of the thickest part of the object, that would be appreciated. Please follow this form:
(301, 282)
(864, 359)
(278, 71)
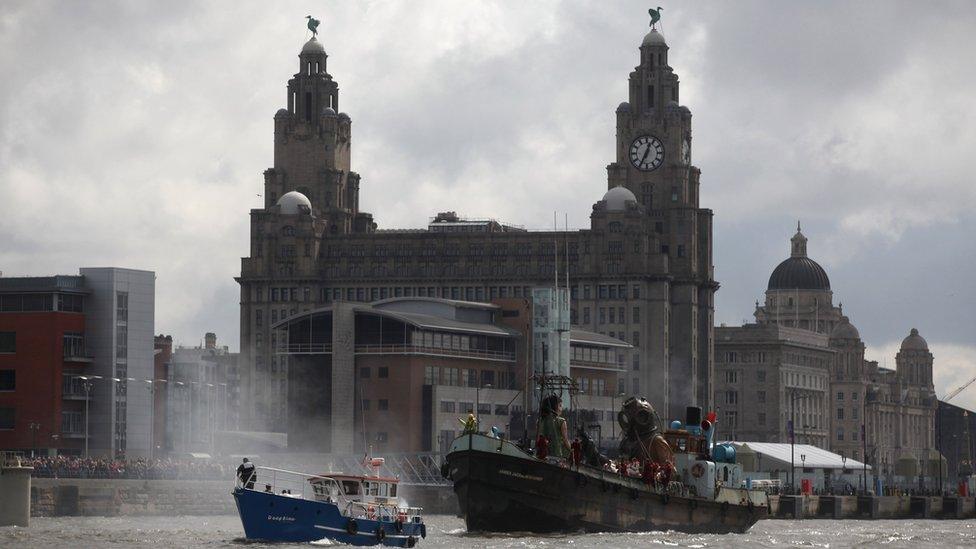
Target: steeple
(799, 243)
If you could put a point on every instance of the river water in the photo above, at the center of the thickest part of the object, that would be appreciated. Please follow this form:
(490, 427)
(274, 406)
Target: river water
(448, 532)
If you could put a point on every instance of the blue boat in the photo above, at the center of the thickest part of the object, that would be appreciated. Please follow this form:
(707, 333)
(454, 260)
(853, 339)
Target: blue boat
(287, 506)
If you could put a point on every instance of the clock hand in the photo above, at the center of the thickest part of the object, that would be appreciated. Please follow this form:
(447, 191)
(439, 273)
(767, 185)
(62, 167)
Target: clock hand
(647, 151)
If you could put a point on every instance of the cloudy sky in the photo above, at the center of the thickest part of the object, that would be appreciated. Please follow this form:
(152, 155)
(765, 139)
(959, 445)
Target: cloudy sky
(135, 135)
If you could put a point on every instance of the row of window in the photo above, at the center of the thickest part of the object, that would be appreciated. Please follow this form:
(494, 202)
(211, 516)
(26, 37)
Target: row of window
(382, 372)
(611, 315)
(381, 404)
(732, 376)
(734, 357)
(468, 377)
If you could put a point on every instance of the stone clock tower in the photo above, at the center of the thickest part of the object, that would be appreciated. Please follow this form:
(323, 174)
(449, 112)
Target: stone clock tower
(654, 162)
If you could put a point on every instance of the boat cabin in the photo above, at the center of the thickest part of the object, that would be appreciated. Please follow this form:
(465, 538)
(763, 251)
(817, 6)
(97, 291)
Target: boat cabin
(354, 488)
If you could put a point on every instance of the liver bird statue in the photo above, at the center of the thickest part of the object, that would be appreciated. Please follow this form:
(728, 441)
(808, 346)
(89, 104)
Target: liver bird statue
(313, 25)
(655, 15)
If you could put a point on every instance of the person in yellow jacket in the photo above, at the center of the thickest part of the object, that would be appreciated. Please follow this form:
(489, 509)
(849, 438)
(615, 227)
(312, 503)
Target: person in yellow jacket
(470, 424)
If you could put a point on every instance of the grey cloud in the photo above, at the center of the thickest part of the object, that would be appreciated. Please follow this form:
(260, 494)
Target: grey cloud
(136, 136)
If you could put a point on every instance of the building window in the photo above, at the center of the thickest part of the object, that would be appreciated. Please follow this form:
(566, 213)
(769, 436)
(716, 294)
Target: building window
(382, 437)
(854, 397)
(8, 342)
(731, 397)
(431, 375)
(8, 380)
(681, 250)
(603, 315)
(840, 396)
(761, 376)
(730, 421)
(383, 371)
(7, 418)
(761, 396)
(364, 373)
(731, 376)
(854, 413)
(466, 407)
(383, 405)
(636, 315)
(487, 377)
(840, 434)
(613, 316)
(636, 339)
(121, 306)
(840, 413)
(761, 418)
(501, 410)
(731, 357)
(365, 404)
(448, 406)
(586, 315)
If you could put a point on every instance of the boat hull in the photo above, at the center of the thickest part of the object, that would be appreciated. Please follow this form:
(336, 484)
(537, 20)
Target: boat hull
(499, 492)
(273, 517)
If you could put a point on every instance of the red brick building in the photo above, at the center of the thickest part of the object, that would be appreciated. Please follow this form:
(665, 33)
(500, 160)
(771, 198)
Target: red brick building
(42, 344)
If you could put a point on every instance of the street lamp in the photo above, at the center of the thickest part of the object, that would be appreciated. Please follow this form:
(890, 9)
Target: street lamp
(34, 427)
(86, 384)
(803, 461)
(613, 408)
(477, 403)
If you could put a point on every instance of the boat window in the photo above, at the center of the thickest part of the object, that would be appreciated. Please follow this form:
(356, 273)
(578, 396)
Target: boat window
(350, 487)
(393, 488)
(371, 488)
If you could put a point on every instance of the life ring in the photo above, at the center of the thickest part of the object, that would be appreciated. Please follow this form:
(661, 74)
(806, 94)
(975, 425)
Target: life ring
(398, 526)
(351, 527)
(698, 470)
(411, 541)
(380, 534)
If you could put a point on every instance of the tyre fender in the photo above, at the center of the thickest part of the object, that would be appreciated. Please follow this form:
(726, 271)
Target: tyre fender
(352, 528)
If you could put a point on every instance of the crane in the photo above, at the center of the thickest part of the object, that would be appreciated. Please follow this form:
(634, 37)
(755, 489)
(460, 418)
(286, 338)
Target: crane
(951, 394)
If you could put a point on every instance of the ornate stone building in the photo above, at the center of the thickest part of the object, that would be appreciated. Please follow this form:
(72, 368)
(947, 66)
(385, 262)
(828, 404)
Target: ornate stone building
(642, 272)
(824, 384)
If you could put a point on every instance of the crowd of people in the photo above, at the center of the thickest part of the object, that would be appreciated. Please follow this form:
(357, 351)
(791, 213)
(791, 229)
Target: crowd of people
(169, 469)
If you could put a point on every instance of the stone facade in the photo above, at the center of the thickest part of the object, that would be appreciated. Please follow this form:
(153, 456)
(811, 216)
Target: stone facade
(819, 355)
(642, 272)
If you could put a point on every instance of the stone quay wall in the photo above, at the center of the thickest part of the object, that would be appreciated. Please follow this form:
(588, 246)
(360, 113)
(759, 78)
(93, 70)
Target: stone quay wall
(51, 497)
(118, 497)
(872, 507)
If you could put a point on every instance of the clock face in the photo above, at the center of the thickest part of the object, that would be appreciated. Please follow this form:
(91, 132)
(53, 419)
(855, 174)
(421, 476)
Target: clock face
(647, 153)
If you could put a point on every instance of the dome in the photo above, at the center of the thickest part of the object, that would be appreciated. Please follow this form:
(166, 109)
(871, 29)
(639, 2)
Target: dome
(654, 38)
(329, 111)
(617, 199)
(799, 273)
(313, 46)
(845, 330)
(282, 113)
(344, 116)
(294, 202)
(623, 107)
(914, 342)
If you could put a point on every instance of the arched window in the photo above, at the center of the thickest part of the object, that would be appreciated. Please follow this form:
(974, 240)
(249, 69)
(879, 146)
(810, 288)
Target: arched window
(288, 230)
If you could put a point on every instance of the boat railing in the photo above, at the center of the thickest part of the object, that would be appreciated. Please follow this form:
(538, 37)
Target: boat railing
(285, 482)
(382, 511)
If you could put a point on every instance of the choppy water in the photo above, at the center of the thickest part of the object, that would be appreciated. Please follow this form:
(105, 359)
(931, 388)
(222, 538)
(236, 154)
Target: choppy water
(445, 531)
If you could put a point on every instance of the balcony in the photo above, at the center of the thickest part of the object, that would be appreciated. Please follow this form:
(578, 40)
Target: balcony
(476, 354)
(601, 366)
(395, 349)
